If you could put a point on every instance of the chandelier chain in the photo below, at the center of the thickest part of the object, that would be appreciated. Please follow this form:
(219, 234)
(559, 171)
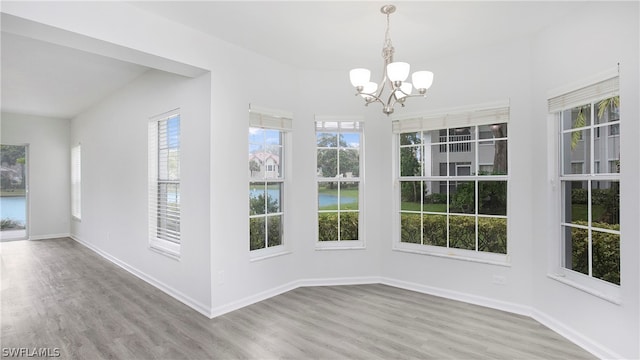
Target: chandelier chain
(387, 49)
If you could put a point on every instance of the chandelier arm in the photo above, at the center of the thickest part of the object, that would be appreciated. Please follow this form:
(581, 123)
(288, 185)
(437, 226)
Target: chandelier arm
(374, 97)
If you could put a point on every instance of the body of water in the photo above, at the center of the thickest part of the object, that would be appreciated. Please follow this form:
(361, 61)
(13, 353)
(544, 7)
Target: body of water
(323, 199)
(329, 200)
(14, 208)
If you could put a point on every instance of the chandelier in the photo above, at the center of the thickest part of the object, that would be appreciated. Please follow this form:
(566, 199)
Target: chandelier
(394, 76)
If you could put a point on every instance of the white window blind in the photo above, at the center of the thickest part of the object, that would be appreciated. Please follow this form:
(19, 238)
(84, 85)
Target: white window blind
(453, 119)
(270, 118)
(164, 182)
(584, 95)
(76, 182)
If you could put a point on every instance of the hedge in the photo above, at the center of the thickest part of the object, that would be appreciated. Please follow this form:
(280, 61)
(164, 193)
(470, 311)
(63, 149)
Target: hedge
(605, 251)
(492, 232)
(257, 232)
(328, 226)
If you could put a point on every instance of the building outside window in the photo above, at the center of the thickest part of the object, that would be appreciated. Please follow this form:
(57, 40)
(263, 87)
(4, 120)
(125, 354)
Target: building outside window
(452, 183)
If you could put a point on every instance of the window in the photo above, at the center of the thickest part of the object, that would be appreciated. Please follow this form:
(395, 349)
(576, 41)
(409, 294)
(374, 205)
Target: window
(451, 183)
(590, 194)
(164, 183)
(268, 146)
(76, 182)
(339, 181)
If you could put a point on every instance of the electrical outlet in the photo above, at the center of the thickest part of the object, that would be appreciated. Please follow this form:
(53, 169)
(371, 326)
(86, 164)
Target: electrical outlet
(220, 277)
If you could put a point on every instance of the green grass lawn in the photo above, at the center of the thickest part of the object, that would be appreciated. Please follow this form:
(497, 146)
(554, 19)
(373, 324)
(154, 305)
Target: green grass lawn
(12, 192)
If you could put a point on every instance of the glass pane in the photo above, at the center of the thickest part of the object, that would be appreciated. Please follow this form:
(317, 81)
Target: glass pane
(274, 198)
(576, 118)
(256, 136)
(462, 197)
(608, 110)
(492, 235)
(274, 230)
(327, 163)
(348, 226)
(410, 228)
(435, 230)
(492, 156)
(257, 203)
(256, 233)
(606, 151)
(349, 195)
(462, 232)
(350, 140)
(494, 131)
(576, 152)
(576, 243)
(328, 196)
(436, 155)
(13, 194)
(492, 197)
(575, 204)
(605, 204)
(435, 196)
(410, 138)
(410, 161)
(462, 134)
(606, 256)
(349, 163)
(326, 139)
(272, 138)
(256, 163)
(328, 226)
(410, 194)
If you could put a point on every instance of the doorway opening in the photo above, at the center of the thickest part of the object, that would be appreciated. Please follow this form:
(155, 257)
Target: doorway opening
(14, 192)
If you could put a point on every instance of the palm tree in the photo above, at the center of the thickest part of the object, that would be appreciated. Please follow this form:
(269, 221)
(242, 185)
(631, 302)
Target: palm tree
(603, 105)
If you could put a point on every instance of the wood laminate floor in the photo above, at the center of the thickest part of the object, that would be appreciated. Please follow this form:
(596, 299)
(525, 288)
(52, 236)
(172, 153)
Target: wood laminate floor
(58, 294)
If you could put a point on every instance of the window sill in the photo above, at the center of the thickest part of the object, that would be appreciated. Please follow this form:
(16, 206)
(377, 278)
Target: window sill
(75, 218)
(340, 245)
(167, 249)
(268, 253)
(612, 298)
(455, 254)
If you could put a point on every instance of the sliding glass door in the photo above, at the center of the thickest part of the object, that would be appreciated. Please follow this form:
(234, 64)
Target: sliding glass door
(13, 192)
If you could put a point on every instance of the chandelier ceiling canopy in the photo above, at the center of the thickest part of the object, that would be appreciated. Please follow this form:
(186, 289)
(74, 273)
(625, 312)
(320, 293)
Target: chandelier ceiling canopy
(394, 77)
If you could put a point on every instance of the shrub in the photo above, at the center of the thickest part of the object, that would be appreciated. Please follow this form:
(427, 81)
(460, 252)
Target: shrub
(492, 232)
(328, 226)
(605, 251)
(8, 224)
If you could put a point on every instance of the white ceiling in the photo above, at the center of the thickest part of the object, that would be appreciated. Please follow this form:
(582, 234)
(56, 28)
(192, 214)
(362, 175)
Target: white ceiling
(340, 35)
(50, 80)
(40, 78)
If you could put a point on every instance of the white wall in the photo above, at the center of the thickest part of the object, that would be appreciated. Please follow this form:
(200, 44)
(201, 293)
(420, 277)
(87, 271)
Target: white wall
(48, 164)
(459, 82)
(222, 275)
(114, 136)
(579, 47)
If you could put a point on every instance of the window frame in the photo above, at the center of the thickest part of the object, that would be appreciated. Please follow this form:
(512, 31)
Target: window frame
(158, 244)
(557, 270)
(76, 182)
(282, 121)
(339, 244)
(448, 119)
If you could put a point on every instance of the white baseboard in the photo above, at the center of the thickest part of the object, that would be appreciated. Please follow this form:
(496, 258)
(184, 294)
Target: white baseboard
(459, 296)
(176, 294)
(567, 332)
(263, 295)
(572, 335)
(575, 337)
(50, 236)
